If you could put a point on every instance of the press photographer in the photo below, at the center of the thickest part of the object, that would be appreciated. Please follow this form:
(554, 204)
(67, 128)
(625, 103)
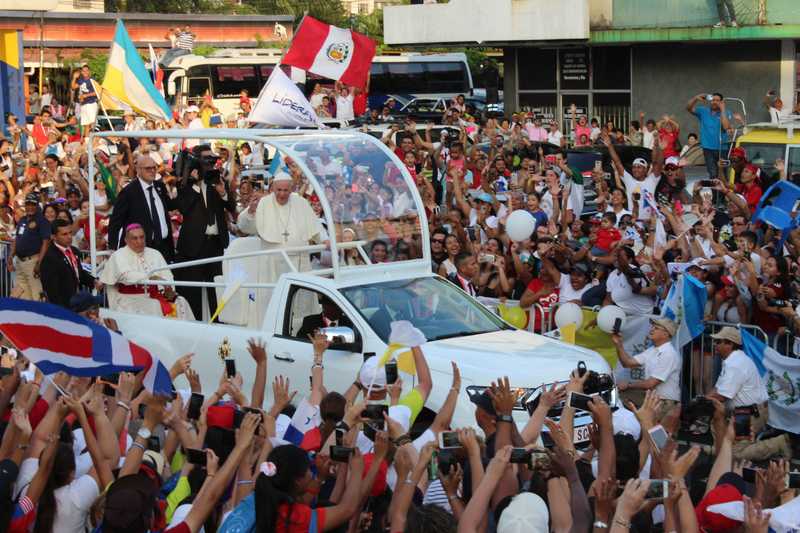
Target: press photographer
(203, 197)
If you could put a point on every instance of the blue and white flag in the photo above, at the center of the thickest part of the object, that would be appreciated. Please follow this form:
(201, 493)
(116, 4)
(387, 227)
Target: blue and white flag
(281, 103)
(306, 418)
(685, 305)
(782, 377)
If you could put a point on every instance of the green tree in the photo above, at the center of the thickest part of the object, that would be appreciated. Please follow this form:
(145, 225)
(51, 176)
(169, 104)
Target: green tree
(97, 63)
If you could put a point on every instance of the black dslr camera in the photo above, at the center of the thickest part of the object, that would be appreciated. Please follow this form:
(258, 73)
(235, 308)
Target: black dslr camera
(595, 383)
(205, 165)
(696, 416)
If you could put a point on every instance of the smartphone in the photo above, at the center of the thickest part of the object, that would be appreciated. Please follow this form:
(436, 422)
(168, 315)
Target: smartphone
(472, 234)
(153, 443)
(108, 381)
(446, 461)
(259, 412)
(521, 456)
(749, 474)
(617, 326)
(196, 457)
(230, 367)
(540, 460)
(793, 481)
(141, 410)
(391, 372)
(578, 400)
(375, 411)
(706, 183)
(659, 436)
(371, 429)
(486, 258)
(195, 403)
(341, 454)
(658, 490)
(741, 426)
(433, 466)
(238, 416)
(547, 440)
(449, 440)
(339, 437)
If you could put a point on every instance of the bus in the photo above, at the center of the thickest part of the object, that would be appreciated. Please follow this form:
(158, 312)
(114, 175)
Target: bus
(225, 73)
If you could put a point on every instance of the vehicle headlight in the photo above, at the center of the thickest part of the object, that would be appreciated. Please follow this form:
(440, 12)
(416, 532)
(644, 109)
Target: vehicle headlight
(524, 395)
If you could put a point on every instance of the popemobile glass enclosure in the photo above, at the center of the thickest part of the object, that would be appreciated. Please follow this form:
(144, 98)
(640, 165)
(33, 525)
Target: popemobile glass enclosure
(362, 193)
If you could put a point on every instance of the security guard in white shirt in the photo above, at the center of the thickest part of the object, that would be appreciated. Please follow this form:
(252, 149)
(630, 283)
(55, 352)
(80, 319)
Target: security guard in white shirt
(740, 385)
(661, 365)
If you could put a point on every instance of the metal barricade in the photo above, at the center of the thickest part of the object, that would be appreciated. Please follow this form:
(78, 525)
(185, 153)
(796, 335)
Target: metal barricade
(787, 344)
(6, 277)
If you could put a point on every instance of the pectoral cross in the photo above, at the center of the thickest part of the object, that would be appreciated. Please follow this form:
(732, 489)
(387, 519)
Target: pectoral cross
(285, 235)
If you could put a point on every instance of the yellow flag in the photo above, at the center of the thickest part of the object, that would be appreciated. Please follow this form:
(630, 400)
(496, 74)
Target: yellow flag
(568, 333)
(405, 359)
(9, 48)
(596, 339)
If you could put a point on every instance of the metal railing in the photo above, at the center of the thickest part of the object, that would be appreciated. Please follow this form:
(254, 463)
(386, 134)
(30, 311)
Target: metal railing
(788, 344)
(6, 277)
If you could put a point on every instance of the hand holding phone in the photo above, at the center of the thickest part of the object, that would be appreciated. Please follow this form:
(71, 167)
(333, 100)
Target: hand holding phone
(230, 367)
(659, 437)
(391, 372)
(577, 400)
(196, 457)
(195, 404)
(449, 440)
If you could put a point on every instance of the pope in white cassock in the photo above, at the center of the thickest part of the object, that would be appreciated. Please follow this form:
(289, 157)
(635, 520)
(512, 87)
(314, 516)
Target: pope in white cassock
(282, 219)
(128, 267)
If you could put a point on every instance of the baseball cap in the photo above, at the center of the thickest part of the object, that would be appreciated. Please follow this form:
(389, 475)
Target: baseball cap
(372, 374)
(482, 400)
(713, 522)
(83, 301)
(666, 324)
(671, 161)
(581, 268)
(739, 152)
(728, 333)
(640, 162)
(527, 513)
(192, 109)
(32, 198)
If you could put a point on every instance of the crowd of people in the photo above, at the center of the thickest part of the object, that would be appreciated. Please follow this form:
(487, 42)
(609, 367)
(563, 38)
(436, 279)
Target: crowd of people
(82, 454)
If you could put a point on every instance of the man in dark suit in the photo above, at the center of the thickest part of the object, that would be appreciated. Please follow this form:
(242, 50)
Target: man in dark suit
(395, 305)
(203, 197)
(144, 201)
(331, 316)
(61, 271)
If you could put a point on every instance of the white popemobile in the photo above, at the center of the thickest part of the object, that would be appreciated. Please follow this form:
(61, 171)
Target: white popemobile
(369, 295)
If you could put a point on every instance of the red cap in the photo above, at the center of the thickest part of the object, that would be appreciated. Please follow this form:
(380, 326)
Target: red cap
(380, 478)
(753, 168)
(220, 416)
(714, 522)
(739, 152)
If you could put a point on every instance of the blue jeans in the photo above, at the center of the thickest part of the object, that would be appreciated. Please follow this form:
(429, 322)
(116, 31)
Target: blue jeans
(712, 157)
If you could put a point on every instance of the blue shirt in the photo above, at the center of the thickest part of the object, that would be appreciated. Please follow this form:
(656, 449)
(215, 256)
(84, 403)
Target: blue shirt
(710, 125)
(85, 86)
(30, 233)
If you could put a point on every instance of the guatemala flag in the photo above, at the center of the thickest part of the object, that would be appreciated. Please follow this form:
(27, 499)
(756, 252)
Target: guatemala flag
(782, 377)
(128, 79)
(55, 340)
(685, 305)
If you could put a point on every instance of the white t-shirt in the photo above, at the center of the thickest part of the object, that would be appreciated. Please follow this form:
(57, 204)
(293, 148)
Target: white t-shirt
(622, 294)
(633, 185)
(565, 291)
(621, 214)
(73, 500)
(344, 107)
(740, 380)
(554, 137)
(663, 363)
(648, 138)
(316, 99)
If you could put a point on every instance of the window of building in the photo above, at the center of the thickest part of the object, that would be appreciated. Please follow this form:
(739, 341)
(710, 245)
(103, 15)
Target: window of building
(611, 68)
(537, 69)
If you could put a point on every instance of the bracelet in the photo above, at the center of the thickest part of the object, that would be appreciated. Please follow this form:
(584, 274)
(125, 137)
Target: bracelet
(244, 482)
(409, 481)
(622, 522)
(402, 440)
(124, 405)
(22, 446)
(600, 525)
(209, 475)
(453, 497)
(135, 444)
(317, 365)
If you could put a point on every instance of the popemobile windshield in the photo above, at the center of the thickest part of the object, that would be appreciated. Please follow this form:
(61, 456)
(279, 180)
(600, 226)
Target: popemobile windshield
(369, 295)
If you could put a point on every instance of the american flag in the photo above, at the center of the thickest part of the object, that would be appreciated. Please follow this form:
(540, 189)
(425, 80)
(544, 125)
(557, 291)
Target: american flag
(55, 339)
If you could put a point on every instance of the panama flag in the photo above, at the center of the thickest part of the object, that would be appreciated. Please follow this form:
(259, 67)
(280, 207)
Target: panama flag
(331, 52)
(128, 80)
(303, 429)
(55, 339)
(685, 305)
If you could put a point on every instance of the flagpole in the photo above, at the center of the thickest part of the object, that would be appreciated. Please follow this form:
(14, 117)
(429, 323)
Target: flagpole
(105, 113)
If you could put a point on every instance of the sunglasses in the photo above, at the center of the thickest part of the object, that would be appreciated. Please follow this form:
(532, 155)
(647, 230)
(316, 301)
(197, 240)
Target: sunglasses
(440, 241)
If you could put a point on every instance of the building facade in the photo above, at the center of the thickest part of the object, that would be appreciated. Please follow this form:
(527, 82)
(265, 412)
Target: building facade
(617, 58)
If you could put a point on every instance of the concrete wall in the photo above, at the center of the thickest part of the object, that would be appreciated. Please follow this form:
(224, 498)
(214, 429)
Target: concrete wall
(501, 21)
(666, 76)
(691, 13)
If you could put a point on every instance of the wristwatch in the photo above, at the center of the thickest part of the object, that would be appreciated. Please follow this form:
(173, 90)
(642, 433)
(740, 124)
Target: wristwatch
(143, 433)
(504, 418)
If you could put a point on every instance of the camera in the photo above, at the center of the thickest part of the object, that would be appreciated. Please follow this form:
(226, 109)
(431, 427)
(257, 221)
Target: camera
(595, 383)
(188, 161)
(698, 408)
(782, 303)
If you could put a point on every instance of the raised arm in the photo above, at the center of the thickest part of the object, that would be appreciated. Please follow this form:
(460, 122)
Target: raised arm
(259, 354)
(615, 160)
(478, 506)
(445, 414)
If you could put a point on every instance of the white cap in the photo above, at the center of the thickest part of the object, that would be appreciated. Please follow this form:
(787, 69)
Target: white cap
(192, 109)
(281, 176)
(527, 513)
(625, 421)
(640, 162)
(672, 160)
(372, 375)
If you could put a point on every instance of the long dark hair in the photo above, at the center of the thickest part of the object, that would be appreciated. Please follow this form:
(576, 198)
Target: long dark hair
(291, 464)
(63, 467)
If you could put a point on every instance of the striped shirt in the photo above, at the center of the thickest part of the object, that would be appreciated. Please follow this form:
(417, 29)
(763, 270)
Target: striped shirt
(437, 496)
(185, 41)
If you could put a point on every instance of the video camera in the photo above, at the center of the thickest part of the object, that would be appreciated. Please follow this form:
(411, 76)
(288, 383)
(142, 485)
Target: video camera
(206, 165)
(697, 412)
(595, 383)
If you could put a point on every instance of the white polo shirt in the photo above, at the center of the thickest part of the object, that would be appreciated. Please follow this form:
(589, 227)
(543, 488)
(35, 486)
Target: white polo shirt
(663, 363)
(622, 294)
(740, 381)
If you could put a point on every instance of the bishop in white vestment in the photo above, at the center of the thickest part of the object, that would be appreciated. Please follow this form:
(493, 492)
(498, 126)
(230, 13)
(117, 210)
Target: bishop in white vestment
(124, 272)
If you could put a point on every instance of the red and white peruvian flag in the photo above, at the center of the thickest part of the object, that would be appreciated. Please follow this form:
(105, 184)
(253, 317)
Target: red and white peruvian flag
(332, 52)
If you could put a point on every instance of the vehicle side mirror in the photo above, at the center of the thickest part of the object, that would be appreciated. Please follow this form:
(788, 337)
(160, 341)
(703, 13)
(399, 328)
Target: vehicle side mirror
(339, 335)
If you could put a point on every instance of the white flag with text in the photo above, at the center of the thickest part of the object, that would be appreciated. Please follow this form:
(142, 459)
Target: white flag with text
(281, 103)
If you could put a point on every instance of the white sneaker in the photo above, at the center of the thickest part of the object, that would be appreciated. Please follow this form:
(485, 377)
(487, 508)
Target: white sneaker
(719, 24)
(734, 24)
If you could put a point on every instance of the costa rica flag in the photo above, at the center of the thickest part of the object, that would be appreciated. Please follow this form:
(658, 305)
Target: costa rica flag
(56, 339)
(331, 52)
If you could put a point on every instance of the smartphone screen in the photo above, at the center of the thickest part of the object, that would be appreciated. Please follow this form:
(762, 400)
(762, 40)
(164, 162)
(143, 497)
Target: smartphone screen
(520, 456)
(230, 367)
(449, 439)
(659, 436)
(374, 411)
(749, 474)
(341, 454)
(794, 480)
(579, 401)
(741, 425)
(195, 404)
(658, 489)
(196, 457)
(391, 372)
(617, 325)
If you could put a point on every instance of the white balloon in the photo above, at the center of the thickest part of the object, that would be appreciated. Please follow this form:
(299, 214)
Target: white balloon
(608, 315)
(520, 225)
(569, 313)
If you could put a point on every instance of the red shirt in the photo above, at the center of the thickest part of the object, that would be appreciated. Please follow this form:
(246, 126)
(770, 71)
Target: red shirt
(300, 519)
(669, 137)
(607, 237)
(546, 302)
(752, 194)
(360, 103)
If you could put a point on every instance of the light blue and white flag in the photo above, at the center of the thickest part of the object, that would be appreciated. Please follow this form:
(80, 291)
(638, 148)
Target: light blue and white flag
(782, 377)
(685, 305)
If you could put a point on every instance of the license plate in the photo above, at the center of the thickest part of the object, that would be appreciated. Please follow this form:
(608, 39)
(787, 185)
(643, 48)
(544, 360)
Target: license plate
(580, 434)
